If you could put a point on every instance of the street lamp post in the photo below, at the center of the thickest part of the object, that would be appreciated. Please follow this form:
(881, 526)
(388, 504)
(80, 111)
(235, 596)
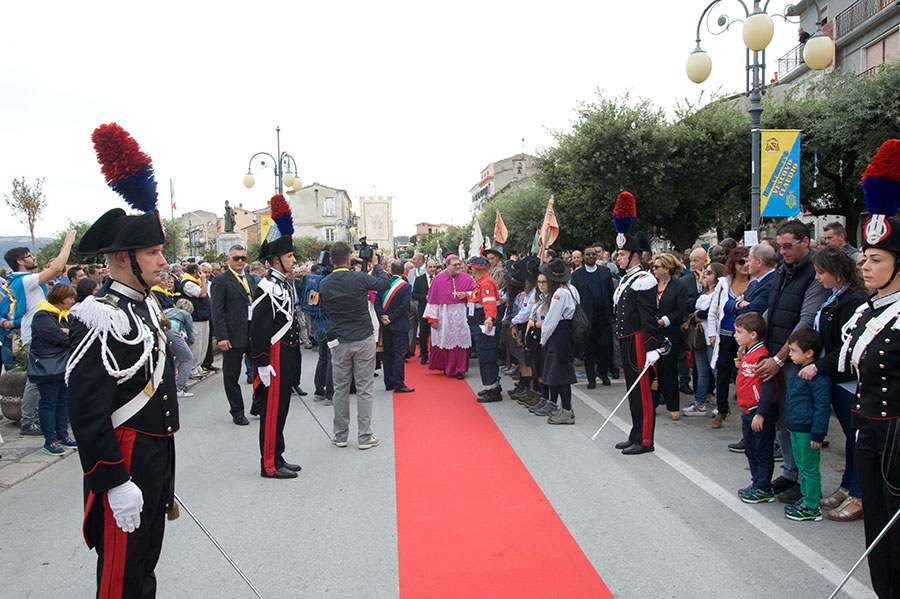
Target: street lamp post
(284, 176)
(758, 30)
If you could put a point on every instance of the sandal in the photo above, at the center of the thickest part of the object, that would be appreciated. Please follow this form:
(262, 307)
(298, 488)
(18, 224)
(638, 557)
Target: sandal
(836, 500)
(848, 511)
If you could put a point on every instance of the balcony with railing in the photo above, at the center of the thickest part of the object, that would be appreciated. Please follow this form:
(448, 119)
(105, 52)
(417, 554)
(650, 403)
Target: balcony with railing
(790, 61)
(858, 13)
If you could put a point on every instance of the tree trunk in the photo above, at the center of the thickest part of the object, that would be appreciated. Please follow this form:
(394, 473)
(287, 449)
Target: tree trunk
(33, 247)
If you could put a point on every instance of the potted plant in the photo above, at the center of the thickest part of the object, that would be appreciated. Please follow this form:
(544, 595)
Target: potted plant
(12, 387)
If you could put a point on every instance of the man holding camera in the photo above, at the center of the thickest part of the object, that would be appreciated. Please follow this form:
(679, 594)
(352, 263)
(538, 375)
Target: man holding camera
(344, 296)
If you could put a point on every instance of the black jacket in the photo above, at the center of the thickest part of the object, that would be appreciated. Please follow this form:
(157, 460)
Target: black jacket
(789, 284)
(831, 320)
(397, 310)
(270, 315)
(689, 281)
(636, 307)
(420, 292)
(49, 347)
(230, 305)
(580, 281)
(673, 304)
(344, 297)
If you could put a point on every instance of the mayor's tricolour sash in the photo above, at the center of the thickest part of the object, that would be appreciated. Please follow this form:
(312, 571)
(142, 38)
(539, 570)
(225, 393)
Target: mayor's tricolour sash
(388, 295)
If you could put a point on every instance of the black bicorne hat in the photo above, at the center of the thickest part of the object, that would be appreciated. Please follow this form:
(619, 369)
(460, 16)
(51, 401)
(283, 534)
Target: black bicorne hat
(284, 220)
(117, 231)
(881, 186)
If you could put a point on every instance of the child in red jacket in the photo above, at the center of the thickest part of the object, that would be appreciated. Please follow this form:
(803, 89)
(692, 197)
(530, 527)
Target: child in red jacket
(760, 411)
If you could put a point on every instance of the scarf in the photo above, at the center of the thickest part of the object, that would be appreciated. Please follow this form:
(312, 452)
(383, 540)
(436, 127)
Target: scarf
(48, 307)
(165, 292)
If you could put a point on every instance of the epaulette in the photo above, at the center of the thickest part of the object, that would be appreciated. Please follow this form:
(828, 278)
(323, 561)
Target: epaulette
(271, 287)
(104, 315)
(644, 281)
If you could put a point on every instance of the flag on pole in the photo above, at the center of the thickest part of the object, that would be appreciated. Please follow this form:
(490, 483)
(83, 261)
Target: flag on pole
(476, 246)
(536, 244)
(550, 228)
(500, 231)
(172, 193)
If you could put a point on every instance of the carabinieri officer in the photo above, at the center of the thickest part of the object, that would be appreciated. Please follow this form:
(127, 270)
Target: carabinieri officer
(872, 346)
(121, 379)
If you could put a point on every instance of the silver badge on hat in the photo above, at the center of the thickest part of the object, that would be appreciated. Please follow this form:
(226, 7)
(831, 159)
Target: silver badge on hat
(877, 229)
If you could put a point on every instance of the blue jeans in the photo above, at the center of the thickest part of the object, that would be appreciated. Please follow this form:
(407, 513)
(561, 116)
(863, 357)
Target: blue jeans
(486, 347)
(9, 360)
(759, 448)
(54, 410)
(842, 400)
(704, 373)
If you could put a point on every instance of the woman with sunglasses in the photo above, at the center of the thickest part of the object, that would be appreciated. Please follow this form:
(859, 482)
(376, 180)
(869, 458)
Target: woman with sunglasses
(702, 357)
(672, 302)
(720, 325)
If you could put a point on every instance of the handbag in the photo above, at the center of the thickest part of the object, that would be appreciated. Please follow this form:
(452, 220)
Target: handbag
(692, 335)
(581, 324)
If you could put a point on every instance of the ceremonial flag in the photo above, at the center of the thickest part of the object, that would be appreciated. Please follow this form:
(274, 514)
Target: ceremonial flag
(438, 254)
(500, 231)
(476, 246)
(172, 196)
(268, 232)
(550, 228)
(462, 252)
(536, 244)
(780, 173)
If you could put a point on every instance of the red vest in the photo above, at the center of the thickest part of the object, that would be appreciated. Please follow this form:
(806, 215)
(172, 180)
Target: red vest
(749, 386)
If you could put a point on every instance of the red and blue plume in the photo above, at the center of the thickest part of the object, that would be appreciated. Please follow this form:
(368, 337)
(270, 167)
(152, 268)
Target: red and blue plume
(625, 212)
(881, 180)
(127, 169)
(281, 214)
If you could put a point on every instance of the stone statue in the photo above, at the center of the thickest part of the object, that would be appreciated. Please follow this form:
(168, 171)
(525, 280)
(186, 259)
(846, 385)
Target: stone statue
(229, 218)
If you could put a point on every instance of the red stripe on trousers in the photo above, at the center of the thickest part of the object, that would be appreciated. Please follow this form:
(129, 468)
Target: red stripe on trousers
(647, 413)
(115, 540)
(272, 411)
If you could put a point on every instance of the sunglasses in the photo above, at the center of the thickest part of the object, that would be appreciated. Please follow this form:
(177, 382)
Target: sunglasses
(742, 261)
(239, 258)
(788, 246)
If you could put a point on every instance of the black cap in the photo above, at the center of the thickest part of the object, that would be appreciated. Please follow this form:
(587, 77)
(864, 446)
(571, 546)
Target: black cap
(556, 270)
(882, 233)
(633, 242)
(530, 266)
(117, 231)
(279, 247)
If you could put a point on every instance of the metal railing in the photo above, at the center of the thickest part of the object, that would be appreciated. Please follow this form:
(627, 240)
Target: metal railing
(858, 13)
(790, 61)
(871, 72)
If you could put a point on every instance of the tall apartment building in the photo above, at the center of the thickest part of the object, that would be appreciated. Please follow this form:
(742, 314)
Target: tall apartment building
(498, 176)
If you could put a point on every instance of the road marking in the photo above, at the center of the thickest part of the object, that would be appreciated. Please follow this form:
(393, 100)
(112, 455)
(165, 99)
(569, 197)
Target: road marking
(830, 571)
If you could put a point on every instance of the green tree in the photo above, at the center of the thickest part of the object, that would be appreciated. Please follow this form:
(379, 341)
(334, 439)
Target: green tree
(51, 250)
(27, 202)
(845, 119)
(307, 248)
(522, 209)
(173, 248)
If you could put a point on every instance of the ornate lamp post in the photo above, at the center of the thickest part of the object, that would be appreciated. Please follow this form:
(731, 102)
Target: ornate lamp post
(284, 176)
(757, 32)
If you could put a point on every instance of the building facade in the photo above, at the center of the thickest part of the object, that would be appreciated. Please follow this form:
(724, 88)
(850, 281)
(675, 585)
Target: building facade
(499, 175)
(201, 229)
(323, 212)
(423, 229)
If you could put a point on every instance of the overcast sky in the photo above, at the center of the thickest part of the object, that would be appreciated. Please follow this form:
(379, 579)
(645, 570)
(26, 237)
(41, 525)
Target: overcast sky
(415, 98)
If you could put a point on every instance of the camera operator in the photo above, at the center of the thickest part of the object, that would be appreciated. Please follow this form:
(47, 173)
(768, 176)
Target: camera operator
(344, 297)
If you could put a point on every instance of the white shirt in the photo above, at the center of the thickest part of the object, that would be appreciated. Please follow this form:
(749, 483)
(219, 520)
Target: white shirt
(524, 313)
(590, 268)
(33, 296)
(562, 307)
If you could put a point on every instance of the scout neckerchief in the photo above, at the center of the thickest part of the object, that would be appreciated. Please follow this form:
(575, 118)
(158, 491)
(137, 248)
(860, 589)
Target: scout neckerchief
(12, 298)
(47, 306)
(389, 295)
(243, 284)
(165, 292)
(192, 279)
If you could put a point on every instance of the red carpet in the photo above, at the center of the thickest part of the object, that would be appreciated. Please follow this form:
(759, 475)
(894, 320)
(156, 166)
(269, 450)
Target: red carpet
(471, 520)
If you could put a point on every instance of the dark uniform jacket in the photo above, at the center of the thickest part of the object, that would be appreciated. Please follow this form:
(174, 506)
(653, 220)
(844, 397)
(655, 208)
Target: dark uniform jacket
(273, 308)
(94, 393)
(635, 307)
(397, 309)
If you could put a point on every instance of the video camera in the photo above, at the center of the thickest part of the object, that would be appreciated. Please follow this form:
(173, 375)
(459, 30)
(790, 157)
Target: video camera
(365, 250)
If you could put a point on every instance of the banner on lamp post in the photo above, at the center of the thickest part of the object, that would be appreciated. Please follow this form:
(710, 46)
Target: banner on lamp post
(269, 231)
(780, 173)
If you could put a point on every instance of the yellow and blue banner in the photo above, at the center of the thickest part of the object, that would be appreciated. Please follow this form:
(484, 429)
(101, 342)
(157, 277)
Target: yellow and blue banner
(780, 173)
(269, 231)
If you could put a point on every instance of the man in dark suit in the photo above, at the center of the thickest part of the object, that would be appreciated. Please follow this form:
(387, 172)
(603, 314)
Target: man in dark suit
(595, 288)
(392, 308)
(232, 295)
(762, 263)
(420, 295)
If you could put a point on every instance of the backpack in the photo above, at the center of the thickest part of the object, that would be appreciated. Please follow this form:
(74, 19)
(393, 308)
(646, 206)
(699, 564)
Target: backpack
(581, 324)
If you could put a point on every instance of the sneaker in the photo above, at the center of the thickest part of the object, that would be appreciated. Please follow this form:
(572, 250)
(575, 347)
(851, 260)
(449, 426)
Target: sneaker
(714, 413)
(373, 442)
(695, 409)
(800, 512)
(545, 410)
(754, 495)
(790, 495)
(736, 447)
(318, 397)
(539, 405)
(338, 443)
(54, 448)
(782, 484)
(68, 443)
(328, 402)
(185, 393)
(32, 430)
(561, 417)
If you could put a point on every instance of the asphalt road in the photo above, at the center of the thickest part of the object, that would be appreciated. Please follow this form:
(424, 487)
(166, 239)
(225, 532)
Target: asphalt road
(667, 524)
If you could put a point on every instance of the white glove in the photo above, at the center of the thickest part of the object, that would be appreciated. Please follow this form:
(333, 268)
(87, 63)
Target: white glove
(652, 357)
(126, 502)
(265, 374)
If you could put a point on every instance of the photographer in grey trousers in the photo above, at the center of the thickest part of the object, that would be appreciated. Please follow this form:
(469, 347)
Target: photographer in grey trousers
(344, 297)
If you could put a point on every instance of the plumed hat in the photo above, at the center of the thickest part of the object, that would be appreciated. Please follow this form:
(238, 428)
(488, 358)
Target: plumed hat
(624, 215)
(881, 186)
(129, 171)
(284, 222)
